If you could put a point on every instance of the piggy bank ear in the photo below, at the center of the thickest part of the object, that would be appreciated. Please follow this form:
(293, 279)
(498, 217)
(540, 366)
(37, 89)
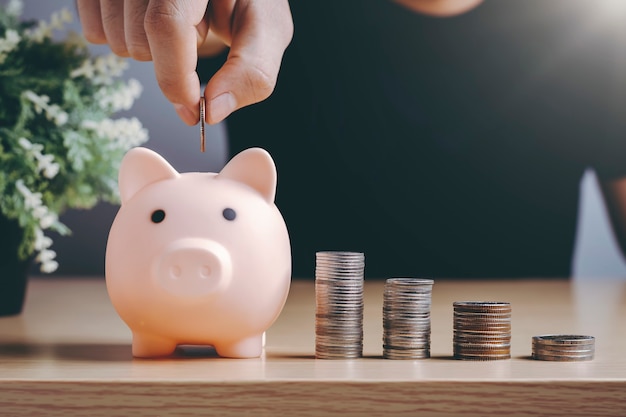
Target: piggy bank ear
(255, 168)
(141, 167)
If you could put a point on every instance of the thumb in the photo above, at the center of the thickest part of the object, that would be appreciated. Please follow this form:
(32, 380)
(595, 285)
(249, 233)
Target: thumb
(249, 75)
(237, 84)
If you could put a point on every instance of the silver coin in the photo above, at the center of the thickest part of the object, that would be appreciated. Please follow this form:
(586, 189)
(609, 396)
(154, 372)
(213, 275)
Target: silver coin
(406, 314)
(481, 304)
(482, 327)
(338, 274)
(406, 324)
(542, 352)
(339, 264)
(563, 358)
(394, 354)
(481, 357)
(558, 339)
(330, 254)
(551, 350)
(564, 348)
(340, 280)
(339, 339)
(410, 343)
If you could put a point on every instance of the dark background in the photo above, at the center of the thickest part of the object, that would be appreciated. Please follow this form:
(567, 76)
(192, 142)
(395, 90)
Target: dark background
(82, 253)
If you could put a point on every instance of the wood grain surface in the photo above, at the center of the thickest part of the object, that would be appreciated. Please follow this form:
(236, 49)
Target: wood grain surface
(69, 354)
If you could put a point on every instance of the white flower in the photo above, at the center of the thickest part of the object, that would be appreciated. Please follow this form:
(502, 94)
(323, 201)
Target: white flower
(14, 8)
(42, 103)
(46, 255)
(86, 70)
(108, 67)
(134, 87)
(39, 33)
(25, 143)
(111, 64)
(8, 43)
(51, 170)
(12, 37)
(31, 200)
(76, 40)
(102, 70)
(45, 163)
(44, 29)
(61, 118)
(48, 264)
(40, 211)
(122, 133)
(119, 98)
(90, 124)
(47, 220)
(41, 241)
(60, 18)
(49, 267)
(54, 112)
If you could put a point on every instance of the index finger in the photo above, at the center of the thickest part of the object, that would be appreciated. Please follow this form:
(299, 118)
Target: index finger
(171, 29)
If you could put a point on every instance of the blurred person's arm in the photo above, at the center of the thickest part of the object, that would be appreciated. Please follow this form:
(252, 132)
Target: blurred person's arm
(440, 8)
(614, 192)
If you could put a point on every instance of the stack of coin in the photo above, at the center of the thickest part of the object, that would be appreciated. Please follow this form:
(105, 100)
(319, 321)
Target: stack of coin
(564, 348)
(482, 330)
(339, 305)
(406, 318)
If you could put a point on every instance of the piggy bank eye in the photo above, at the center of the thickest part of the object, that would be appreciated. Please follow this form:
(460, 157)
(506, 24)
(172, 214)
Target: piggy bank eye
(157, 216)
(229, 214)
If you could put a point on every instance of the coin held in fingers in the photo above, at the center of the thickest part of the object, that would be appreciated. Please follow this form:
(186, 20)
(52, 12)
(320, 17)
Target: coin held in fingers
(202, 129)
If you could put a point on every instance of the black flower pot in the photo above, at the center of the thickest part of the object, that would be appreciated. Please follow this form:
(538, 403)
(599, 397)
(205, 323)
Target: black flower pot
(13, 271)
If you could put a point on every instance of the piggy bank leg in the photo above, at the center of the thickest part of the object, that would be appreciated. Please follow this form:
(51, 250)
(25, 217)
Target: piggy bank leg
(149, 346)
(252, 347)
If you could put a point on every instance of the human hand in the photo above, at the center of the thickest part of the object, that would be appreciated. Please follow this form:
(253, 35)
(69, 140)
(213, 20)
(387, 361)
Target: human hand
(169, 33)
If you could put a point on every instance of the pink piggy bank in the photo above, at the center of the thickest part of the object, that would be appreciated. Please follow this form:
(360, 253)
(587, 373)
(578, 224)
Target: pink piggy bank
(198, 258)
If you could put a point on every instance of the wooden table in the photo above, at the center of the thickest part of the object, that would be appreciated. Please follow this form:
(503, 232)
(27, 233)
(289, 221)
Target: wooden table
(69, 354)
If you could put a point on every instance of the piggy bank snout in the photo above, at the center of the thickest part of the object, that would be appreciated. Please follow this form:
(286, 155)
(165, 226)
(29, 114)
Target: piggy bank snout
(193, 267)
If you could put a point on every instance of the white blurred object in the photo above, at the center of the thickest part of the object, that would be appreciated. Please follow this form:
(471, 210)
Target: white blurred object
(596, 254)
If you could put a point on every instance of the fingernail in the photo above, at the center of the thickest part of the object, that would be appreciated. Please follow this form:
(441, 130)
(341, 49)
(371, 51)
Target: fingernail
(220, 107)
(186, 115)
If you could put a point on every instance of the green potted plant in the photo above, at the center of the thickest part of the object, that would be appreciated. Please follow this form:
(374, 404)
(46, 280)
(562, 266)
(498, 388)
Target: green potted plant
(59, 146)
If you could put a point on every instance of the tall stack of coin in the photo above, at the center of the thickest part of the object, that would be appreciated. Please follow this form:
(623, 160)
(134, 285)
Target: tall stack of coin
(339, 305)
(564, 348)
(406, 318)
(482, 330)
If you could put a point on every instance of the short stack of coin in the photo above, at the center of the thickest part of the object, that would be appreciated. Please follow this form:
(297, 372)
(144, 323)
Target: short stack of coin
(339, 305)
(563, 348)
(406, 318)
(482, 330)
